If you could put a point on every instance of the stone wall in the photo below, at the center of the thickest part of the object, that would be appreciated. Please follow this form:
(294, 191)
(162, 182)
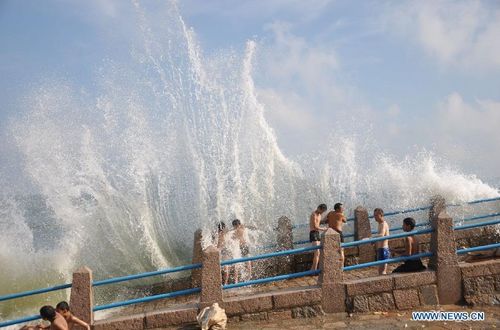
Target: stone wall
(481, 282)
(391, 292)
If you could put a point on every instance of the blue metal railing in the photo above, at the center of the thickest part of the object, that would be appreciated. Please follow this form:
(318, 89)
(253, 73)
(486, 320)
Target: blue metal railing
(147, 299)
(33, 292)
(377, 239)
(475, 225)
(21, 320)
(272, 279)
(388, 261)
(147, 274)
(270, 255)
(482, 217)
(479, 248)
(484, 200)
(388, 214)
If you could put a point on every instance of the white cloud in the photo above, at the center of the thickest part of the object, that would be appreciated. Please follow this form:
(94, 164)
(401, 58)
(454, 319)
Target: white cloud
(477, 121)
(299, 88)
(394, 110)
(456, 33)
(467, 132)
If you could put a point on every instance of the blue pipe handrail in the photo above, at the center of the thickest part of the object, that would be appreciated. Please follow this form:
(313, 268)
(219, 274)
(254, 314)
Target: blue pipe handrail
(388, 261)
(376, 239)
(270, 255)
(388, 214)
(479, 248)
(475, 225)
(21, 320)
(33, 292)
(477, 201)
(147, 299)
(423, 224)
(271, 279)
(482, 217)
(147, 274)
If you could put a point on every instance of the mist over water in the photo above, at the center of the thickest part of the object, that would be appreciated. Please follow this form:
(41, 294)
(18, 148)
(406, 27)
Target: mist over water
(172, 142)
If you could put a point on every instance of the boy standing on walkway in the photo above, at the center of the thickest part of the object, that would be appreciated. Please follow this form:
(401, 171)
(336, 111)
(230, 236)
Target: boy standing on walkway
(383, 252)
(314, 230)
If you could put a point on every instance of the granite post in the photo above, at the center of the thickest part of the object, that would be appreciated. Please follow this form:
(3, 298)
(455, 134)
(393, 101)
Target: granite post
(444, 259)
(362, 229)
(438, 205)
(285, 242)
(211, 278)
(332, 275)
(82, 296)
(197, 258)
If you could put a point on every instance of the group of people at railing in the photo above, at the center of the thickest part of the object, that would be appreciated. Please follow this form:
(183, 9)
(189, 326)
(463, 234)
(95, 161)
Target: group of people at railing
(60, 318)
(233, 243)
(336, 219)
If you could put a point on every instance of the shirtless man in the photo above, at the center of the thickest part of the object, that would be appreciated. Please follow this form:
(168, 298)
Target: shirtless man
(63, 309)
(336, 220)
(411, 248)
(382, 246)
(240, 234)
(48, 313)
(225, 254)
(314, 230)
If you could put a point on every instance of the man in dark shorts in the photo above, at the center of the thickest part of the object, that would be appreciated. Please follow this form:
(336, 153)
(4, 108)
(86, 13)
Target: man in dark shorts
(314, 230)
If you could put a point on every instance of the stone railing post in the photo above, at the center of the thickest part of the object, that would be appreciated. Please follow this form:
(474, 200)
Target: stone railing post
(438, 205)
(82, 296)
(285, 234)
(362, 229)
(211, 278)
(444, 260)
(197, 258)
(285, 242)
(332, 275)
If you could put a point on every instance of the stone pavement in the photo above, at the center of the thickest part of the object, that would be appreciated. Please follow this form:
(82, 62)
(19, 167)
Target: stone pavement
(370, 321)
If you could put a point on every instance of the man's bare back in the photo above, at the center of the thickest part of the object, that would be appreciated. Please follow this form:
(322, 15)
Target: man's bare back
(336, 220)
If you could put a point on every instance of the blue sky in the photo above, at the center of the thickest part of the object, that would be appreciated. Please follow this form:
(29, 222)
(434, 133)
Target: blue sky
(422, 74)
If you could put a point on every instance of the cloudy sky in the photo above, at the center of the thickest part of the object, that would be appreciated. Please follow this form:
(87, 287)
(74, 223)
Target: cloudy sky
(414, 75)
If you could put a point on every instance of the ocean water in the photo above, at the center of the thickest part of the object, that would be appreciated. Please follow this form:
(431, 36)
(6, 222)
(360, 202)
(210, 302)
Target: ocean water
(174, 141)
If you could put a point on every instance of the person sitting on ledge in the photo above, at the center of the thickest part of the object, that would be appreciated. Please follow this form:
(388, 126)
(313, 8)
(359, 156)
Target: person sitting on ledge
(411, 248)
(63, 309)
(48, 313)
